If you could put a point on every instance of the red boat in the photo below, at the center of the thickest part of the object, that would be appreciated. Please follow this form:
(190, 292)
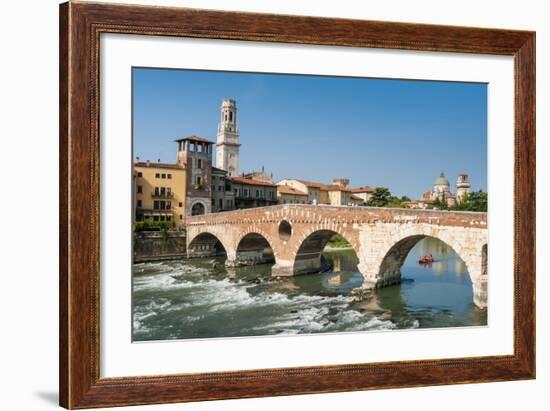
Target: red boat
(426, 259)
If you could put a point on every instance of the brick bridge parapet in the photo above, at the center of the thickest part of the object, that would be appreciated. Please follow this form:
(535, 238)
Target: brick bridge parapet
(295, 236)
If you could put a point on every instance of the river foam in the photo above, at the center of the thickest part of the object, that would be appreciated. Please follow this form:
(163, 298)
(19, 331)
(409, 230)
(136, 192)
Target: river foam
(187, 301)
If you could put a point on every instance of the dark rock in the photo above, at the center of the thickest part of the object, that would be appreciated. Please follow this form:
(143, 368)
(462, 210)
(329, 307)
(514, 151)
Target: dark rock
(361, 294)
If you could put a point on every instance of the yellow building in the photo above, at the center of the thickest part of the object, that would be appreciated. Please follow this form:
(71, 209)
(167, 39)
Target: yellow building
(159, 192)
(364, 193)
(356, 200)
(317, 192)
(337, 193)
(290, 195)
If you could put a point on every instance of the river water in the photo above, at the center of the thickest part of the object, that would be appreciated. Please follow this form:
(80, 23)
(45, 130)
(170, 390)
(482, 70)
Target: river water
(200, 298)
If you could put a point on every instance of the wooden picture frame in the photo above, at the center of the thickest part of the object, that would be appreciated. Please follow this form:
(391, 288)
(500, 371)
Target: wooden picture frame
(80, 27)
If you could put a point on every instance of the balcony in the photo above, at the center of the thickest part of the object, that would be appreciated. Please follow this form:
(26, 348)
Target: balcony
(162, 195)
(150, 211)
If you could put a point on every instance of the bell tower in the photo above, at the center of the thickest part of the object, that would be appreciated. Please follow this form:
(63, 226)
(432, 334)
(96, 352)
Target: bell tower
(227, 144)
(462, 187)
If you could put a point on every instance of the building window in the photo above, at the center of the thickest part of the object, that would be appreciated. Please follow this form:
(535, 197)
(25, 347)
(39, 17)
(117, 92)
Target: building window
(155, 218)
(163, 175)
(168, 205)
(199, 180)
(162, 218)
(140, 189)
(199, 148)
(169, 176)
(257, 194)
(157, 175)
(180, 204)
(139, 203)
(181, 216)
(213, 202)
(221, 204)
(199, 163)
(168, 218)
(140, 174)
(156, 205)
(245, 192)
(220, 188)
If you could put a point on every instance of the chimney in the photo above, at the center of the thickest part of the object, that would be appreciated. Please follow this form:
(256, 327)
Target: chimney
(341, 182)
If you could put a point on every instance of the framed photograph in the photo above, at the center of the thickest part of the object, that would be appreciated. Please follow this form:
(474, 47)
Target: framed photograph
(260, 205)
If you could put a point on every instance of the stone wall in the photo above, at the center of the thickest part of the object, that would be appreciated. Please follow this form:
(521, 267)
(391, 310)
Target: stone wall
(151, 245)
(380, 237)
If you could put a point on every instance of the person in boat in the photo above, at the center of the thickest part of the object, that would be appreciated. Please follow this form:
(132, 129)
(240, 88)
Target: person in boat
(426, 259)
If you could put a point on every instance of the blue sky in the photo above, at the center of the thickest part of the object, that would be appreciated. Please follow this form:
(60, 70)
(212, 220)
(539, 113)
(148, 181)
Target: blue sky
(398, 134)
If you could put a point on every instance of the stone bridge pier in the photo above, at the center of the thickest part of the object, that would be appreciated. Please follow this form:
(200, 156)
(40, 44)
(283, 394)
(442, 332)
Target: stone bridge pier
(294, 236)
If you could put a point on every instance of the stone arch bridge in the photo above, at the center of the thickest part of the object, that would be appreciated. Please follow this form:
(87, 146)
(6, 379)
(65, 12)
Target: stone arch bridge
(294, 236)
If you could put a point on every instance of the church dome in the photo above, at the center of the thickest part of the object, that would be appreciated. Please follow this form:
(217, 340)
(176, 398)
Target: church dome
(441, 181)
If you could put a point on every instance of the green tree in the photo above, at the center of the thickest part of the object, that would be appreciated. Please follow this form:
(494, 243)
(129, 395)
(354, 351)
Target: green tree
(394, 202)
(477, 201)
(464, 204)
(380, 197)
(440, 204)
(474, 201)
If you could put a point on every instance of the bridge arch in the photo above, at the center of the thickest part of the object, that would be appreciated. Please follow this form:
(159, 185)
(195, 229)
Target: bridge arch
(253, 247)
(308, 254)
(389, 271)
(206, 244)
(383, 267)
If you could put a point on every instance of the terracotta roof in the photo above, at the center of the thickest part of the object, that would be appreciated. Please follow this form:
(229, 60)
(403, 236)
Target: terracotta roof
(289, 190)
(336, 187)
(250, 181)
(171, 166)
(218, 170)
(365, 189)
(324, 187)
(320, 186)
(195, 138)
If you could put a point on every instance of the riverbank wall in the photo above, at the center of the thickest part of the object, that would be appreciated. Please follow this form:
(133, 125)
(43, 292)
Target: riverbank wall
(158, 246)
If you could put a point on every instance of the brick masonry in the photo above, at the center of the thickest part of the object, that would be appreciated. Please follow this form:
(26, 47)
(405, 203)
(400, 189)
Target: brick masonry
(381, 238)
